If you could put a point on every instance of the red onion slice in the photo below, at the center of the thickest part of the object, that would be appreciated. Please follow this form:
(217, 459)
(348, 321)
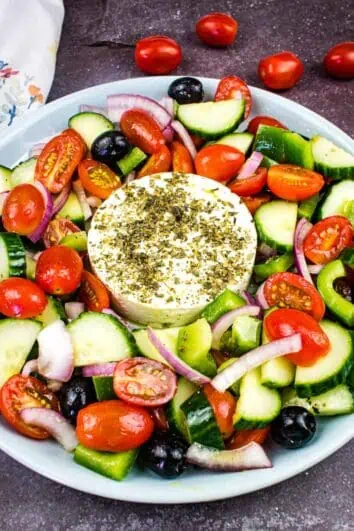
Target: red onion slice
(80, 194)
(128, 324)
(315, 269)
(3, 197)
(249, 298)
(56, 356)
(254, 358)
(176, 363)
(94, 108)
(168, 104)
(74, 309)
(185, 137)
(117, 104)
(260, 297)
(54, 423)
(29, 367)
(37, 234)
(99, 369)
(168, 133)
(61, 199)
(247, 457)
(302, 229)
(226, 320)
(250, 166)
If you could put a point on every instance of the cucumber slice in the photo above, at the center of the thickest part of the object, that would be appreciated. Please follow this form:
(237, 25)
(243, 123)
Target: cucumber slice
(194, 344)
(277, 264)
(131, 161)
(275, 223)
(104, 388)
(72, 210)
(338, 305)
(240, 141)
(246, 333)
(99, 338)
(90, 125)
(347, 257)
(307, 207)
(331, 160)
(279, 372)
(336, 199)
(52, 312)
(213, 118)
(267, 162)
(223, 303)
(17, 337)
(298, 151)
(185, 389)
(168, 336)
(336, 401)
(270, 141)
(23, 173)
(5, 179)
(12, 256)
(76, 240)
(115, 466)
(348, 211)
(332, 369)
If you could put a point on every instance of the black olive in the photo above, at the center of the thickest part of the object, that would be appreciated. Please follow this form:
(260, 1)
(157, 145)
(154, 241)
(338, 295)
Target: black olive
(294, 427)
(186, 90)
(343, 287)
(164, 454)
(110, 147)
(75, 395)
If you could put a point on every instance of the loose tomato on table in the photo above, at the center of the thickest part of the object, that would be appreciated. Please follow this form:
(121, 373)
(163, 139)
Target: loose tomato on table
(244, 437)
(217, 29)
(113, 426)
(157, 54)
(339, 60)
(181, 158)
(59, 159)
(59, 270)
(263, 120)
(21, 392)
(93, 293)
(21, 298)
(219, 162)
(254, 202)
(97, 178)
(23, 209)
(289, 290)
(142, 130)
(144, 382)
(294, 183)
(251, 185)
(224, 405)
(233, 87)
(159, 162)
(280, 71)
(327, 239)
(286, 321)
(57, 229)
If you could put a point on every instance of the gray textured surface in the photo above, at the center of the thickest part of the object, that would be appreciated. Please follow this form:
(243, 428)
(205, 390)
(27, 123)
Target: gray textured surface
(322, 498)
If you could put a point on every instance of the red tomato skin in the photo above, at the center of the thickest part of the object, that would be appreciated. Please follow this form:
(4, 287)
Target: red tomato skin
(142, 130)
(157, 54)
(251, 185)
(263, 120)
(97, 178)
(319, 253)
(243, 437)
(21, 298)
(280, 71)
(219, 162)
(230, 88)
(23, 209)
(113, 426)
(254, 202)
(159, 162)
(93, 293)
(181, 158)
(339, 60)
(59, 270)
(224, 405)
(217, 29)
(294, 183)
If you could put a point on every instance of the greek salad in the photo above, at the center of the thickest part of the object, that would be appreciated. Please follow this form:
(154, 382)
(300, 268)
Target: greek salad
(107, 228)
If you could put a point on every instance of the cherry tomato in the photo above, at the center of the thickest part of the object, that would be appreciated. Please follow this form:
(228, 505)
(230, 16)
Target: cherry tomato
(97, 178)
(157, 163)
(21, 392)
(59, 159)
(327, 239)
(280, 71)
(93, 293)
(21, 298)
(293, 291)
(59, 270)
(263, 120)
(23, 209)
(232, 87)
(244, 437)
(254, 202)
(219, 162)
(217, 29)
(142, 130)
(157, 54)
(251, 185)
(286, 321)
(181, 158)
(159, 417)
(293, 183)
(144, 382)
(224, 405)
(113, 426)
(339, 60)
(57, 229)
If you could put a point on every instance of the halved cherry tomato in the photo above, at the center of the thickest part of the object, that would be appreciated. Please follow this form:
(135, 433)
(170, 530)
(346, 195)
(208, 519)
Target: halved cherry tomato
(157, 163)
(244, 437)
(97, 178)
(254, 202)
(157, 54)
(113, 426)
(280, 71)
(286, 321)
(263, 120)
(327, 239)
(159, 417)
(142, 130)
(21, 392)
(59, 270)
(144, 382)
(219, 162)
(59, 159)
(339, 60)
(232, 87)
(21, 298)
(217, 29)
(93, 293)
(23, 209)
(294, 183)
(224, 405)
(57, 229)
(251, 185)
(293, 291)
(181, 158)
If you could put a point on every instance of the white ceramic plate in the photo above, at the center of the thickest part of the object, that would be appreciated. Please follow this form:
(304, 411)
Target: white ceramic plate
(47, 458)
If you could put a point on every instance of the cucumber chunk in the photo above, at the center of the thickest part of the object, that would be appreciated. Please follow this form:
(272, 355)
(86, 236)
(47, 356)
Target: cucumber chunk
(194, 344)
(72, 210)
(23, 173)
(336, 199)
(275, 223)
(185, 389)
(277, 264)
(12, 256)
(76, 240)
(5, 179)
(240, 141)
(168, 336)
(246, 333)
(90, 125)
(307, 207)
(337, 304)
(279, 372)
(336, 401)
(200, 423)
(270, 141)
(104, 387)
(268, 162)
(112, 465)
(223, 303)
(298, 151)
(331, 160)
(131, 161)
(52, 312)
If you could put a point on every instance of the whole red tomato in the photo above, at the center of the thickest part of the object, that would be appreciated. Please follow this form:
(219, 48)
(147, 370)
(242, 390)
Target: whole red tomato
(217, 29)
(280, 71)
(59, 270)
(339, 60)
(219, 162)
(23, 209)
(157, 54)
(21, 298)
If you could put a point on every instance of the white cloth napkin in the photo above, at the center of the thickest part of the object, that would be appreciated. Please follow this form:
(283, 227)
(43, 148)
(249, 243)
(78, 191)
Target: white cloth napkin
(29, 38)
